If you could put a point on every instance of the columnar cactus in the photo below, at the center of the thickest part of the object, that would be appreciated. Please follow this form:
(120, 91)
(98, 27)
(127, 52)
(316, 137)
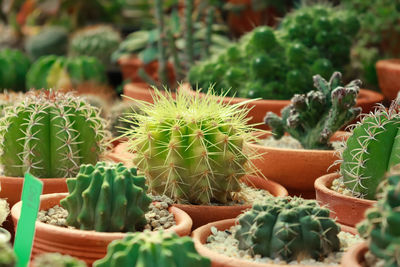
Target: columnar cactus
(191, 148)
(7, 255)
(13, 68)
(57, 260)
(288, 228)
(314, 117)
(107, 198)
(153, 249)
(50, 135)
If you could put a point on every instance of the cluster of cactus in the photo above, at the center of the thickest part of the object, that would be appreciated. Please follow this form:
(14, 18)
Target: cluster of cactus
(58, 72)
(107, 198)
(191, 147)
(153, 249)
(7, 255)
(371, 150)
(314, 117)
(52, 40)
(288, 228)
(98, 41)
(14, 66)
(50, 134)
(57, 260)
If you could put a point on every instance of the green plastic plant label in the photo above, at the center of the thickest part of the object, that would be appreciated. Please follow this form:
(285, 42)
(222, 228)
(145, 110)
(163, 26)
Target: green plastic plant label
(31, 192)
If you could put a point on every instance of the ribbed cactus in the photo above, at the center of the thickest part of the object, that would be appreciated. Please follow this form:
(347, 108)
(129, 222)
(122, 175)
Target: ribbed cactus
(314, 117)
(152, 250)
(107, 198)
(50, 135)
(57, 260)
(7, 255)
(191, 148)
(371, 150)
(13, 68)
(119, 118)
(288, 228)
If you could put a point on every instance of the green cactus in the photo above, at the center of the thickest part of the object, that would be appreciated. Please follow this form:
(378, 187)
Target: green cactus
(98, 41)
(13, 68)
(371, 150)
(152, 250)
(58, 72)
(288, 228)
(51, 40)
(314, 117)
(119, 118)
(57, 260)
(7, 255)
(50, 135)
(191, 148)
(107, 198)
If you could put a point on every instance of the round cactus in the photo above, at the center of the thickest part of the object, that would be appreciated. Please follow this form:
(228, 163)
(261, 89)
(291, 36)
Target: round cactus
(153, 249)
(57, 260)
(13, 68)
(119, 117)
(107, 198)
(50, 135)
(191, 148)
(7, 255)
(288, 228)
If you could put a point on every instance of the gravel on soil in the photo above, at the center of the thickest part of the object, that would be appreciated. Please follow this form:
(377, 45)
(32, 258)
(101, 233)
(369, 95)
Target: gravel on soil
(290, 143)
(338, 186)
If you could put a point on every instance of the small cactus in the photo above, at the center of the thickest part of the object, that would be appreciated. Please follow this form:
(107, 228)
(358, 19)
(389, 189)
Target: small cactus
(7, 255)
(13, 68)
(119, 118)
(152, 249)
(288, 228)
(314, 117)
(57, 260)
(107, 198)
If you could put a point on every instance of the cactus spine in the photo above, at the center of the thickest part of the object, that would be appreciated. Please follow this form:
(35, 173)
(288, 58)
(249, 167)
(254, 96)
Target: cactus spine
(57, 260)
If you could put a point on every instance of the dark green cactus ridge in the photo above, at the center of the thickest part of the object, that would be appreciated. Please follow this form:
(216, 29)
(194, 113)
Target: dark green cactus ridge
(50, 135)
(107, 198)
(153, 249)
(314, 117)
(288, 228)
(57, 260)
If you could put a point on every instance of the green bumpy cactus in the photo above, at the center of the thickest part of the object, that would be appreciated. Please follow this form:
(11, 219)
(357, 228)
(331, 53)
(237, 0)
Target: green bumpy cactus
(7, 255)
(57, 260)
(314, 117)
(50, 135)
(107, 198)
(14, 66)
(288, 228)
(59, 72)
(152, 250)
(371, 150)
(191, 148)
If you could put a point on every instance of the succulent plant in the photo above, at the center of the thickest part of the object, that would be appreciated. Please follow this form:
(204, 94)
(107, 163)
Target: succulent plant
(152, 249)
(57, 260)
(13, 68)
(191, 148)
(119, 117)
(107, 198)
(50, 135)
(288, 228)
(7, 255)
(59, 72)
(314, 117)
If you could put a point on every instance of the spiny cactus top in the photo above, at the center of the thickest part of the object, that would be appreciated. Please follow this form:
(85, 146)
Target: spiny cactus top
(288, 228)
(107, 198)
(152, 249)
(190, 149)
(50, 135)
(57, 260)
(13, 68)
(314, 117)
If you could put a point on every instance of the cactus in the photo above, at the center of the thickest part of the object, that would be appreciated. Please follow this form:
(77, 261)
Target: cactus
(107, 198)
(288, 228)
(191, 148)
(314, 117)
(371, 150)
(65, 73)
(98, 41)
(13, 68)
(119, 118)
(57, 260)
(152, 249)
(7, 255)
(50, 135)
(51, 40)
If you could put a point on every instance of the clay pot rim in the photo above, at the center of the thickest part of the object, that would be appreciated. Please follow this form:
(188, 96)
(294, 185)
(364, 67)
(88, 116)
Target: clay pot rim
(179, 215)
(393, 63)
(355, 253)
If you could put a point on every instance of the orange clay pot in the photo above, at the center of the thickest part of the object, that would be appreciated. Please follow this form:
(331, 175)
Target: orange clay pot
(120, 154)
(201, 234)
(347, 210)
(88, 246)
(389, 77)
(354, 257)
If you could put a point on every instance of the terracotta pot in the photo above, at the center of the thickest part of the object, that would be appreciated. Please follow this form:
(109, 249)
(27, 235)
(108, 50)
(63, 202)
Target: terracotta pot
(388, 71)
(354, 257)
(347, 210)
(296, 169)
(140, 91)
(85, 245)
(203, 214)
(201, 234)
(120, 154)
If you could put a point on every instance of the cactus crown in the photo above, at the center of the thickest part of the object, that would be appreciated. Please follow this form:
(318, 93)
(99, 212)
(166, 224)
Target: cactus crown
(288, 228)
(153, 249)
(190, 147)
(57, 260)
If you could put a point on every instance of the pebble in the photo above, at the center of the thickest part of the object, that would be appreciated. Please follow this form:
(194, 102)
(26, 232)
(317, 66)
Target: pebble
(290, 143)
(338, 186)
